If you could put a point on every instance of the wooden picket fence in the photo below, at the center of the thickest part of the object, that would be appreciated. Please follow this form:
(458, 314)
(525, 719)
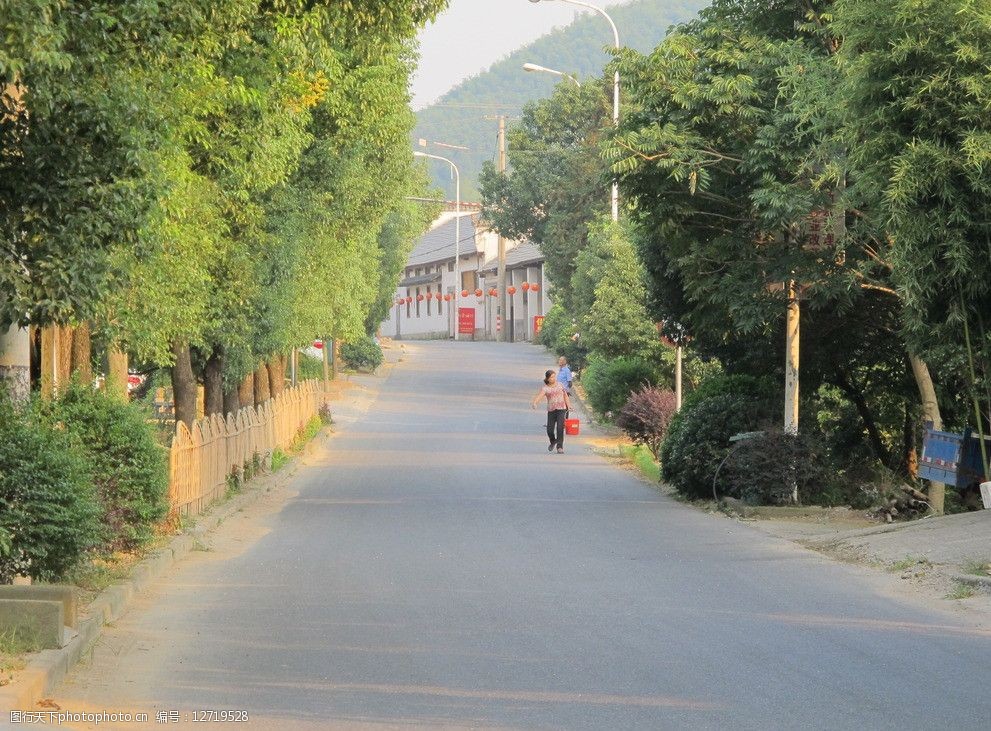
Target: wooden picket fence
(202, 458)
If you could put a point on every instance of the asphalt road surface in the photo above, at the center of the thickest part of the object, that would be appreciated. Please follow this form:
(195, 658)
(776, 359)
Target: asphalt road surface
(436, 567)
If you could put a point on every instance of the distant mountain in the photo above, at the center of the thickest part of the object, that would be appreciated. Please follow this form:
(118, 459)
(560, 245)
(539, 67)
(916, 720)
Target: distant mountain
(459, 117)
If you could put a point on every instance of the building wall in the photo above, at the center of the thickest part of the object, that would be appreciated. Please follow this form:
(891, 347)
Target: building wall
(409, 322)
(425, 322)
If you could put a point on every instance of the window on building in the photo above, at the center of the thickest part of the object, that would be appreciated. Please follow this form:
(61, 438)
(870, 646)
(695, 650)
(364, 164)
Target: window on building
(450, 266)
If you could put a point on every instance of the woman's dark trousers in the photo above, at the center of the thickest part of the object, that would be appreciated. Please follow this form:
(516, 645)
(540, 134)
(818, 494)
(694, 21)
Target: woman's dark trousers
(555, 418)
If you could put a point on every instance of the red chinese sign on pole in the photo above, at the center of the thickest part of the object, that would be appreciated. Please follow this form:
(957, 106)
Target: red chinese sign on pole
(466, 320)
(538, 322)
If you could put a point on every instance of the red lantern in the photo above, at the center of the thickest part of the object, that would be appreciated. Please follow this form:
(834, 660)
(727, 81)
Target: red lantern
(464, 292)
(511, 290)
(534, 287)
(419, 298)
(318, 344)
(409, 300)
(526, 286)
(430, 295)
(493, 292)
(447, 298)
(478, 293)
(399, 300)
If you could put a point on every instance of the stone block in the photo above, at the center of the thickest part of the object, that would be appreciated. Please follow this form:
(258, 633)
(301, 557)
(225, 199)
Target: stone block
(37, 623)
(47, 592)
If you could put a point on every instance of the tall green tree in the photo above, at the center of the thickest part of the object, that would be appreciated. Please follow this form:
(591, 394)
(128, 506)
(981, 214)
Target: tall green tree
(557, 184)
(915, 91)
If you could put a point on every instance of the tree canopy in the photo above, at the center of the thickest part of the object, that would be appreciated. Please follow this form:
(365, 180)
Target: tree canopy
(210, 175)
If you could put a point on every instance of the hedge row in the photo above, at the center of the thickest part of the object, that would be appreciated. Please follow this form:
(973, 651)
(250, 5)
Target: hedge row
(80, 474)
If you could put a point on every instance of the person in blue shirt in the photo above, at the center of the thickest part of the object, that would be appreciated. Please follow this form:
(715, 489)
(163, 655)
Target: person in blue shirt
(564, 373)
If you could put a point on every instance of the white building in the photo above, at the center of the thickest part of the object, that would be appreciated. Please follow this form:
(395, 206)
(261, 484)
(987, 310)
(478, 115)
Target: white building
(429, 301)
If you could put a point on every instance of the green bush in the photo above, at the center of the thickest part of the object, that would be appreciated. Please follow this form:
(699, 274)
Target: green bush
(557, 333)
(765, 469)
(698, 438)
(49, 515)
(128, 465)
(556, 322)
(308, 368)
(362, 355)
(609, 383)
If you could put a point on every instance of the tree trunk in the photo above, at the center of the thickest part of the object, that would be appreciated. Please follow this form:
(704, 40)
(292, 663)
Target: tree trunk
(15, 363)
(910, 459)
(232, 401)
(930, 413)
(336, 357)
(183, 386)
(246, 391)
(82, 353)
(56, 359)
(326, 367)
(262, 393)
(116, 383)
(276, 374)
(856, 397)
(213, 384)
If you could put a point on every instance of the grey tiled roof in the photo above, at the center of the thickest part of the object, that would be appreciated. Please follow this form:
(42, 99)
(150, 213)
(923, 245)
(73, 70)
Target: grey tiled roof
(421, 279)
(438, 243)
(519, 255)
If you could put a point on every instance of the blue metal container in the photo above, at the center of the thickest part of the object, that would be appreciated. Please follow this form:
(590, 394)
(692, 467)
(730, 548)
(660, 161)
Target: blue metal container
(953, 459)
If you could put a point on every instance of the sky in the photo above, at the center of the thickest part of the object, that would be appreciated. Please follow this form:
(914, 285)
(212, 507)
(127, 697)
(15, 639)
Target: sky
(471, 35)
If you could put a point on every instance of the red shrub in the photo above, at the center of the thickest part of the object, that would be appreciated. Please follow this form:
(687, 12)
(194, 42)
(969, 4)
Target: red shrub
(647, 416)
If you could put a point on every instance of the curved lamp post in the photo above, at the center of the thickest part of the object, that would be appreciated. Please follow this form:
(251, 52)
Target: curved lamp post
(457, 223)
(534, 68)
(615, 92)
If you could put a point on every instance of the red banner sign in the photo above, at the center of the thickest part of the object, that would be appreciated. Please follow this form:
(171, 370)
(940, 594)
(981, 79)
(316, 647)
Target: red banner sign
(466, 320)
(538, 322)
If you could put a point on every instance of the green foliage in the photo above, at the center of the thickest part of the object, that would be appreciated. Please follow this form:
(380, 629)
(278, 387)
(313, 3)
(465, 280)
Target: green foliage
(48, 509)
(559, 333)
(765, 469)
(279, 459)
(580, 48)
(616, 323)
(395, 242)
(363, 354)
(234, 181)
(308, 368)
(698, 437)
(127, 465)
(765, 143)
(609, 383)
(558, 184)
(644, 459)
(913, 92)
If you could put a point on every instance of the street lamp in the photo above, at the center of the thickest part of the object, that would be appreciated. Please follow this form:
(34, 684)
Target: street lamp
(457, 224)
(534, 68)
(615, 90)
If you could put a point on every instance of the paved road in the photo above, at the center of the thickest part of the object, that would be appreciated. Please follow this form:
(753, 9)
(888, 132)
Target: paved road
(438, 568)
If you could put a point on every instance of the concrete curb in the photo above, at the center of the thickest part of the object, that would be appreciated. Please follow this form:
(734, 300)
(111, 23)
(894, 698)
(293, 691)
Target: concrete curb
(48, 668)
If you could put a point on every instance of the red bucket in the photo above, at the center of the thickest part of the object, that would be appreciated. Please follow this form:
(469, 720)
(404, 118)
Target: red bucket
(572, 427)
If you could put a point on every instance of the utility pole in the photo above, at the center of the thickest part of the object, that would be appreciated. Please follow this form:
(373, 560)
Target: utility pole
(791, 368)
(501, 283)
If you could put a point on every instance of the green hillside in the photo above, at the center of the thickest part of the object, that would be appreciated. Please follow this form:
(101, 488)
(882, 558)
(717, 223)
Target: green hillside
(459, 116)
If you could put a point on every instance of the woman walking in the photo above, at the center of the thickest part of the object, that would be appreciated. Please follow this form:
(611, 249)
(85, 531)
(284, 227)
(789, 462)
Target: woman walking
(558, 405)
